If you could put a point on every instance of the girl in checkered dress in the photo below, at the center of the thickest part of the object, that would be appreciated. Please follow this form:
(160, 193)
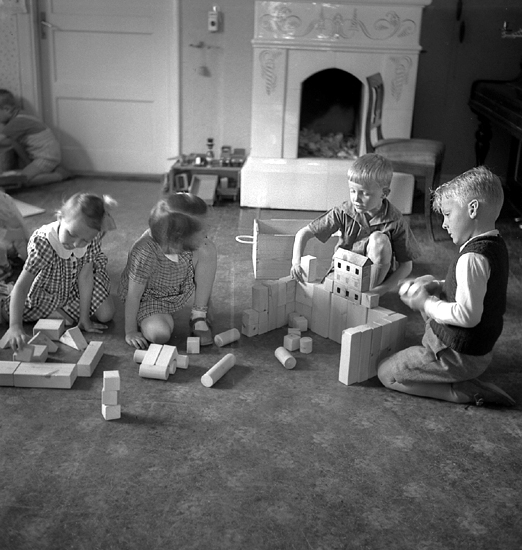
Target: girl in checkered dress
(65, 270)
(171, 263)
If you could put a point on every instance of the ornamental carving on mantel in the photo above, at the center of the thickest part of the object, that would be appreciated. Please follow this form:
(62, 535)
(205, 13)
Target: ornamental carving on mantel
(267, 59)
(403, 66)
(285, 24)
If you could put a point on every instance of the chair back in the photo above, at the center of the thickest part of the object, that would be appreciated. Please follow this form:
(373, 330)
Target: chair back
(374, 113)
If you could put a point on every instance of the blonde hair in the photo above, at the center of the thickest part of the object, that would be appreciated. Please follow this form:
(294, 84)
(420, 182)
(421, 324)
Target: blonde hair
(93, 209)
(371, 168)
(476, 184)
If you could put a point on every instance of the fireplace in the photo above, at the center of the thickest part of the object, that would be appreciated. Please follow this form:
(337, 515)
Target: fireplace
(298, 45)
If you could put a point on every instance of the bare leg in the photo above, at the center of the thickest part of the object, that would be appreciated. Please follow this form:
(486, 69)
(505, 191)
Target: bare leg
(379, 250)
(205, 265)
(158, 328)
(105, 311)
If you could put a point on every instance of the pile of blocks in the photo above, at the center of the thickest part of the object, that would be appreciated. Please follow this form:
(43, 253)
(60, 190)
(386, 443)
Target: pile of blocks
(341, 308)
(30, 368)
(111, 407)
(160, 361)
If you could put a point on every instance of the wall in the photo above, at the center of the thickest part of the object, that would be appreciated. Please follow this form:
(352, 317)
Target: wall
(219, 105)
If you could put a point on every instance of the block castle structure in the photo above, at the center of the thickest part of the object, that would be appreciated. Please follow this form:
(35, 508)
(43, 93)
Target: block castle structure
(340, 308)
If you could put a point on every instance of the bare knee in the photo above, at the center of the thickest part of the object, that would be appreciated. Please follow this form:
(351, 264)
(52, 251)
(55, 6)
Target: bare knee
(379, 248)
(157, 329)
(105, 311)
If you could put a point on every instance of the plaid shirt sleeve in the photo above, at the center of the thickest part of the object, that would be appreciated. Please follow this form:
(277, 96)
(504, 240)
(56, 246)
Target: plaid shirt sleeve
(39, 254)
(142, 262)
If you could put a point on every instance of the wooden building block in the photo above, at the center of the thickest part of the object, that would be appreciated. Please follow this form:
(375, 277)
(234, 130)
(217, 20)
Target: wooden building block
(250, 322)
(363, 372)
(349, 361)
(260, 297)
(90, 358)
(182, 361)
(336, 325)
(304, 293)
(281, 291)
(111, 380)
(42, 338)
(25, 354)
(355, 315)
(320, 321)
(154, 371)
(193, 344)
(7, 370)
(281, 316)
(291, 342)
(295, 320)
(309, 266)
(378, 313)
(218, 370)
(385, 337)
(110, 397)
(40, 353)
(61, 314)
(167, 357)
(292, 330)
(285, 358)
(329, 282)
(306, 345)
(263, 322)
(45, 375)
(54, 328)
(346, 291)
(291, 285)
(227, 337)
(398, 331)
(304, 311)
(375, 349)
(111, 412)
(289, 308)
(152, 354)
(74, 338)
(369, 299)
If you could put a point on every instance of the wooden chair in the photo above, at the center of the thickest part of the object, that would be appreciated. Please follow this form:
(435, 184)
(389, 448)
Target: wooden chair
(419, 157)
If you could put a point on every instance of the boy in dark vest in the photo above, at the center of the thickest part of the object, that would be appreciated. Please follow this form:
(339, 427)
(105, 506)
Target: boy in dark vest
(463, 313)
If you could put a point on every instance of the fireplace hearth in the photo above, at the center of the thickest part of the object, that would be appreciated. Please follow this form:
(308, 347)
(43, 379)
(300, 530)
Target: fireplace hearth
(299, 45)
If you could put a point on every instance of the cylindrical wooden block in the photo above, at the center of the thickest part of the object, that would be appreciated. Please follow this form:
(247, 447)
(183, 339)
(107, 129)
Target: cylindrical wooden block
(305, 345)
(227, 337)
(218, 370)
(139, 354)
(153, 371)
(285, 358)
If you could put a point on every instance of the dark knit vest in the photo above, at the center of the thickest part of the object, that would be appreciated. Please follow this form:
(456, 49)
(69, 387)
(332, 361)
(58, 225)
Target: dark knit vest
(480, 339)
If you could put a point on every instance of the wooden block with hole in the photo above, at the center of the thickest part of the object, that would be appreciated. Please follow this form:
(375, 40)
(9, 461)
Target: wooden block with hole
(74, 339)
(54, 328)
(90, 358)
(43, 339)
(45, 375)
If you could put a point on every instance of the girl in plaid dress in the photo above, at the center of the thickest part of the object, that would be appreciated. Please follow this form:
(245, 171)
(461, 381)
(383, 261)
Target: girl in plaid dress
(65, 270)
(171, 263)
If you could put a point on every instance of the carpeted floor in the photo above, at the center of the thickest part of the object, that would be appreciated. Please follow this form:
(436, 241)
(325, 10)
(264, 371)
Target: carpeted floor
(267, 458)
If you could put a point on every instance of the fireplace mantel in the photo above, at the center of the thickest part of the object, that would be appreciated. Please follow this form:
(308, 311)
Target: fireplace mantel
(294, 40)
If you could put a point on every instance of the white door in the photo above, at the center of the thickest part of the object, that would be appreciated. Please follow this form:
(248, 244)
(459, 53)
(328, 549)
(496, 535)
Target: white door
(110, 87)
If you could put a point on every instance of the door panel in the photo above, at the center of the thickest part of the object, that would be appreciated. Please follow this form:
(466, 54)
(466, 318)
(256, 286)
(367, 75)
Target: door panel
(110, 83)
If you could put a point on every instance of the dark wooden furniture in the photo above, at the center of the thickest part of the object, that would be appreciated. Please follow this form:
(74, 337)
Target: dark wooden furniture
(419, 157)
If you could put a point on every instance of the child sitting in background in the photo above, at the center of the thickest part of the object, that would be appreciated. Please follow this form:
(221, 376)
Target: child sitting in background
(13, 235)
(36, 146)
(369, 224)
(65, 269)
(463, 313)
(172, 261)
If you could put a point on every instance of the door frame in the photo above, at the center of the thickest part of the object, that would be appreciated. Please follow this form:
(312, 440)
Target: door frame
(31, 80)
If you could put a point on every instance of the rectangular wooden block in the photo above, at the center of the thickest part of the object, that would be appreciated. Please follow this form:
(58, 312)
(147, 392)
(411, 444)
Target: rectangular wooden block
(7, 370)
(398, 331)
(378, 313)
(304, 311)
(40, 353)
(167, 356)
(260, 297)
(250, 322)
(90, 358)
(45, 375)
(350, 350)
(365, 353)
(304, 293)
(193, 345)
(25, 354)
(42, 338)
(152, 354)
(111, 380)
(110, 397)
(338, 308)
(111, 412)
(281, 316)
(356, 315)
(309, 266)
(321, 311)
(370, 299)
(263, 322)
(375, 348)
(54, 328)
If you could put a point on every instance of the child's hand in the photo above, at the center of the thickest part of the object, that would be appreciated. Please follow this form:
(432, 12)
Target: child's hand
(90, 326)
(135, 338)
(415, 297)
(17, 338)
(297, 272)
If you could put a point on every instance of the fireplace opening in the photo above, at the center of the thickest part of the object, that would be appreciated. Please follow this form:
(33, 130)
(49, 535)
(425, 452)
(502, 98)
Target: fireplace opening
(329, 124)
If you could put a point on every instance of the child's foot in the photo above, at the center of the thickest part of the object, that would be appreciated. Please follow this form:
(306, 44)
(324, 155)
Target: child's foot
(481, 393)
(200, 327)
